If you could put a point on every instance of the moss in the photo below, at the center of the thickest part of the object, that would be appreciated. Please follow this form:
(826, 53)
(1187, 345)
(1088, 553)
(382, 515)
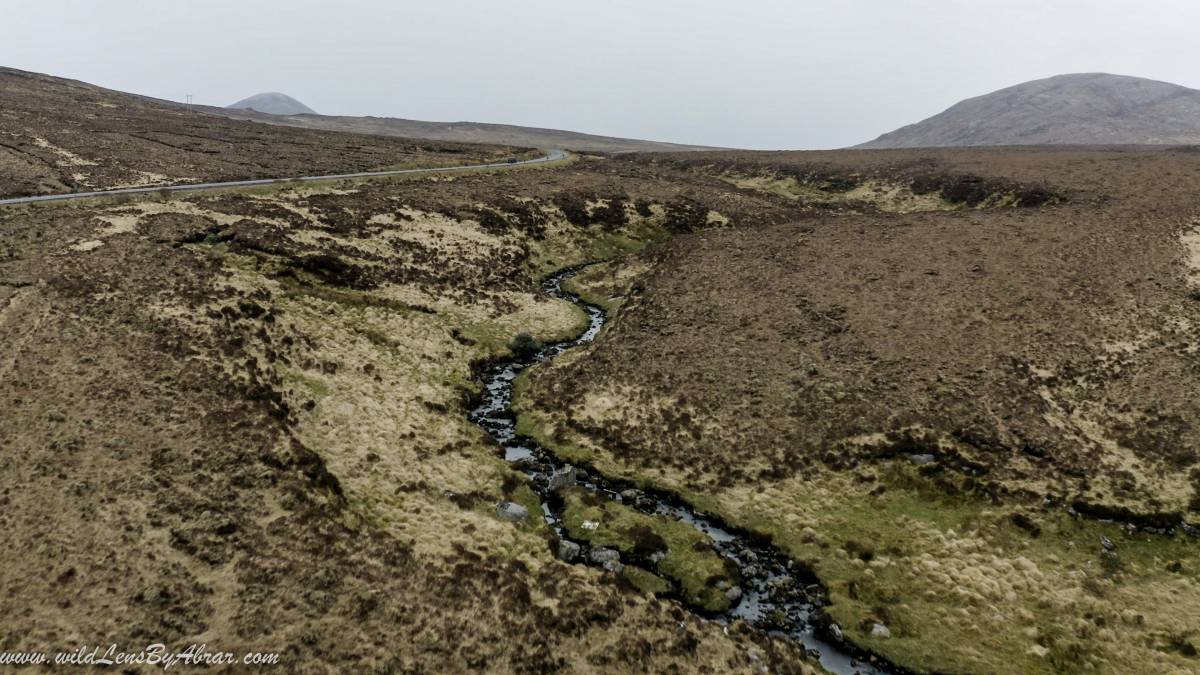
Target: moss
(525, 496)
(974, 543)
(688, 557)
(613, 245)
(645, 581)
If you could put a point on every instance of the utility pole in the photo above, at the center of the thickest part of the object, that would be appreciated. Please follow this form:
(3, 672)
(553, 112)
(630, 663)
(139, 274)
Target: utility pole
(189, 99)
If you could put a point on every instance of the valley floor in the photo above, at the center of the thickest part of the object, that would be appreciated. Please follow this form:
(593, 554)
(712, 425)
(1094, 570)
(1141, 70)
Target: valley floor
(931, 378)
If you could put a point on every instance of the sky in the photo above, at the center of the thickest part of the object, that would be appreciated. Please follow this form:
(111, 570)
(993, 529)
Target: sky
(761, 74)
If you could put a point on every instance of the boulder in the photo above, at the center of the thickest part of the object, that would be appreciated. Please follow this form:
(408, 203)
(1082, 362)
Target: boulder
(562, 479)
(604, 555)
(567, 550)
(511, 511)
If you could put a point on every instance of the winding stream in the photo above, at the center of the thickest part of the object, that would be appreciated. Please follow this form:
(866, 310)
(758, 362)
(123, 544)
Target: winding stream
(776, 595)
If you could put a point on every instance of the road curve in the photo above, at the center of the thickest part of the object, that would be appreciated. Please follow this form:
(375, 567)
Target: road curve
(553, 156)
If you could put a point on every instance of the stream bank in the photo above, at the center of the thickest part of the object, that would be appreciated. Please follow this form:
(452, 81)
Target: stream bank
(767, 590)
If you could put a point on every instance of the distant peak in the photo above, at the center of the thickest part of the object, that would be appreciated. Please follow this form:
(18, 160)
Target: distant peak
(1069, 109)
(273, 103)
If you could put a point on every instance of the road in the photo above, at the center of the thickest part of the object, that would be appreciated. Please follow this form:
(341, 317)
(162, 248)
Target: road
(553, 156)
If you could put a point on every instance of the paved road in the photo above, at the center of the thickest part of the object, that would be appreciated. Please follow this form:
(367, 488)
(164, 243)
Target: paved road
(553, 156)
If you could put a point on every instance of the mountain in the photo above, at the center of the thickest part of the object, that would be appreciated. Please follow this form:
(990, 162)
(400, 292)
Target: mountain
(463, 132)
(273, 103)
(1076, 109)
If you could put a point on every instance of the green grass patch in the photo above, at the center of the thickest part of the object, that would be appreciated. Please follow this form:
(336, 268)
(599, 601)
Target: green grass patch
(688, 558)
(646, 581)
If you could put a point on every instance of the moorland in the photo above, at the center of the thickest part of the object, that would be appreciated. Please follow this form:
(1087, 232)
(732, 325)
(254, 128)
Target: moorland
(954, 385)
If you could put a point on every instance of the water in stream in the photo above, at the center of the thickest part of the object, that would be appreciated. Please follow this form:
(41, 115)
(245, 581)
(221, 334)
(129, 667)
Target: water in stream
(775, 595)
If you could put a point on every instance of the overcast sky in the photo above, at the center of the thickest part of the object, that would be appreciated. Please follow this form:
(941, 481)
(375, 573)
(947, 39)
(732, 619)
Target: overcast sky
(771, 74)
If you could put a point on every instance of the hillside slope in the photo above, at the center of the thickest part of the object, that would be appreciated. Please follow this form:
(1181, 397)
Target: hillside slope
(59, 135)
(1077, 109)
(462, 132)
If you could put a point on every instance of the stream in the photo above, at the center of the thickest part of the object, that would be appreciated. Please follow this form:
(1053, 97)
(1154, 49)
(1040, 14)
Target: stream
(777, 596)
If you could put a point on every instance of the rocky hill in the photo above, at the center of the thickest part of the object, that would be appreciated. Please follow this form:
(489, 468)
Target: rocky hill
(1077, 109)
(273, 103)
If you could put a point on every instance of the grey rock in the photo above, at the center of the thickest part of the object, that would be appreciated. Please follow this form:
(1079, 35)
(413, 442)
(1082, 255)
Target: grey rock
(734, 593)
(567, 550)
(524, 464)
(562, 479)
(629, 495)
(880, 631)
(835, 631)
(1107, 544)
(512, 511)
(921, 460)
(657, 556)
(613, 566)
(604, 555)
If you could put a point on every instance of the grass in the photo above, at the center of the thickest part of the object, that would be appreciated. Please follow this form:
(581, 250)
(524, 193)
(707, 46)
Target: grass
(603, 285)
(882, 195)
(689, 559)
(343, 296)
(960, 585)
(645, 581)
(314, 385)
(963, 588)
